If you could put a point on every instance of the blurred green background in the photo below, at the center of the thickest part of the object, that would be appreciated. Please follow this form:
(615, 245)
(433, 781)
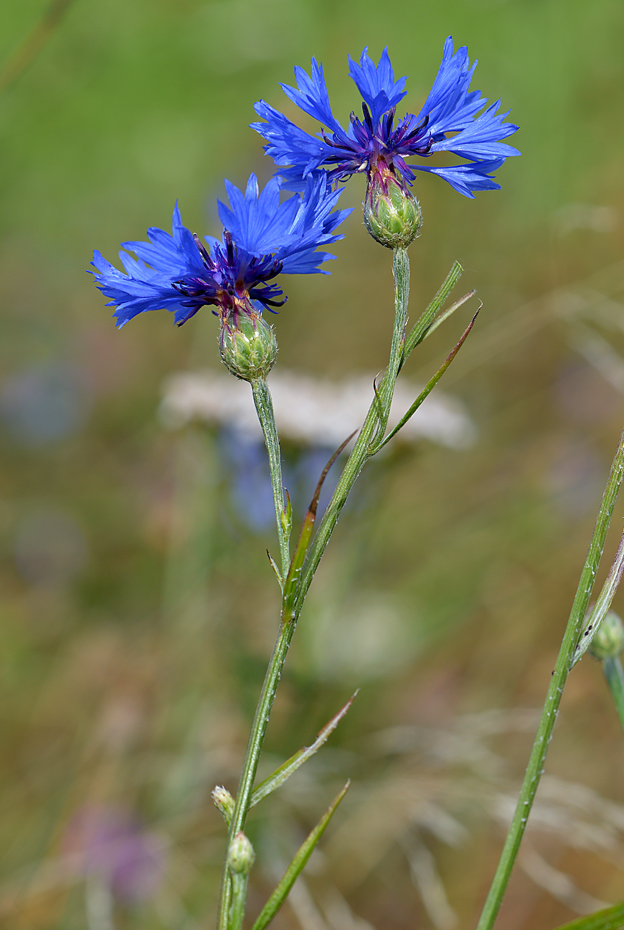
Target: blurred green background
(138, 611)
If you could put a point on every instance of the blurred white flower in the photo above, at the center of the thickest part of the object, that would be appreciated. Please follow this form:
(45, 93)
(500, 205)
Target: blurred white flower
(312, 411)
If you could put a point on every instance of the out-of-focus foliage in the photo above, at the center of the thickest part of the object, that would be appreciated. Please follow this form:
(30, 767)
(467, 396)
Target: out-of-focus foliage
(138, 608)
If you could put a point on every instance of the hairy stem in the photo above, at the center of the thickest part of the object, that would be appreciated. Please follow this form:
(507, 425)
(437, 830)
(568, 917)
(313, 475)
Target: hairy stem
(401, 272)
(239, 900)
(264, 409)
(553, 697)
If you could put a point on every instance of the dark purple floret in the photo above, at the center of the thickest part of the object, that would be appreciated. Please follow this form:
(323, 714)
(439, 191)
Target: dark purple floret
(452, 119)
(263, 237)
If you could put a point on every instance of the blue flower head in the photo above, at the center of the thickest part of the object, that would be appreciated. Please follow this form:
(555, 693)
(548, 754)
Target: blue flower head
(452, 119)
(262, 239)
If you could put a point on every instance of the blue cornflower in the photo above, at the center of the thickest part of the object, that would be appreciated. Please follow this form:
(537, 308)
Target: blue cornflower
(452, 119)
(262, 238)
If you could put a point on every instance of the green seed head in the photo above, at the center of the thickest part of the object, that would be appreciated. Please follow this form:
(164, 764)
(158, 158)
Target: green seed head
(240, 855)
(247, 345)
(392, 214)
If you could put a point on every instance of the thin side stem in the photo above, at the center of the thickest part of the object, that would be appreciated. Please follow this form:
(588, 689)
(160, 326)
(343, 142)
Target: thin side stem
(553, 698)
(374, 426)
(231, 898)
(614, 674)
(264, 409)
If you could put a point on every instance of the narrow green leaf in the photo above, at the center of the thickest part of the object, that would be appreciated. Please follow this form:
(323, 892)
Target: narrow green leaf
(287, 513)
(284, 772)
(423, 324)
(428, 388)
(295, 868)
(602, 605)
(611, 918)
(274, 567)
(305, 535)
(448, 313)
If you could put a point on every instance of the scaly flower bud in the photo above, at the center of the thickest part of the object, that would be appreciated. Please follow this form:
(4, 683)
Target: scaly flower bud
(392, 214)
(247, 344)
(223, 801)
(608, 642)
(240, 855)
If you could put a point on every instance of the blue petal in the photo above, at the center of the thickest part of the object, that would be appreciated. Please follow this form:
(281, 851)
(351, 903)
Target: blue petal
(287, 144)
(480, 138)
(376, 83)
(150, 286)
(262, 226)
(312, 97)
(453, 118)
(468, 178)
(450, 85)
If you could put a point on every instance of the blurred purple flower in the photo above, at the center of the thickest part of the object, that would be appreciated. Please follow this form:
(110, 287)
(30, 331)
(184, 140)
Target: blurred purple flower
(113, 844)
(45, 403)
(249, 478)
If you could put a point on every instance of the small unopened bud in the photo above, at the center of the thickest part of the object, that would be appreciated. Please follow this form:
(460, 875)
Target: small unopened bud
(240, 855)
(392, 214)
(247, 345)
(608, 641)
(223, 801)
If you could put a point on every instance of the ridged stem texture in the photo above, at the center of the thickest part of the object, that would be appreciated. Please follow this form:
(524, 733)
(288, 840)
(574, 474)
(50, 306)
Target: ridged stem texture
(565, 658)
(266, 416)
(293, 595)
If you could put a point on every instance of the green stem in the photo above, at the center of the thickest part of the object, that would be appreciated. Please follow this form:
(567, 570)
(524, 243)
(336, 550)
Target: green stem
(372, 431)
(293, 598)
(553, 697)
(232, 899)
(254, 749)
(401, 272)
(264, 409)
(239, 900)
(614, 674)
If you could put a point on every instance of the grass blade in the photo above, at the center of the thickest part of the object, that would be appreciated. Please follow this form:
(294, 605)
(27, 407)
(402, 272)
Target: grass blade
(305, 535)
(428, 388)
(291, 765)
(295, 868)
(424, 322)
(611, 918)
